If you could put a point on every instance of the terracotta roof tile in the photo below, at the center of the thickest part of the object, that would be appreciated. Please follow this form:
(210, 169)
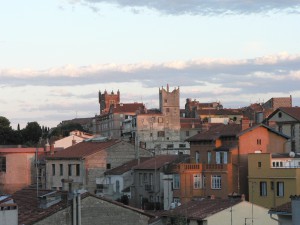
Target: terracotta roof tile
(292, 111)
(224, 112)
(284, 208)
(128, 107)
(83, 149)
(126, 167)
(202, 208)
(156, 162)
(217, 131)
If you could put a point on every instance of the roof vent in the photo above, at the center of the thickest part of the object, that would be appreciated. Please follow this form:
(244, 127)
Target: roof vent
(49, 199)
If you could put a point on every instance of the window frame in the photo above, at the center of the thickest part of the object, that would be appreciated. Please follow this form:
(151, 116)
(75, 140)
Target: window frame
(263, 189)
(216, 182)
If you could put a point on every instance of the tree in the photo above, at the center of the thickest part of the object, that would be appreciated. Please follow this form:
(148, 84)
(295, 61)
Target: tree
(32, 133)
(65, 129)
(5, 131)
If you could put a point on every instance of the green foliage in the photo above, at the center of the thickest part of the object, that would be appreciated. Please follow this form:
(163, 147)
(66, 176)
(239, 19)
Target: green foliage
(32, 133)
(65, 129)
(5, 131)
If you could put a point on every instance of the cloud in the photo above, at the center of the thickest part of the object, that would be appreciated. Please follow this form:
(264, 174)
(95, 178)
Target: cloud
(69, 90)
(203, 7)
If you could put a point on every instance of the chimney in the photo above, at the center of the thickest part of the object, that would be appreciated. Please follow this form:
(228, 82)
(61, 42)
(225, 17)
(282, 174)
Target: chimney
(47, 146)
(73, 142)
(245, 123)
(51, 149)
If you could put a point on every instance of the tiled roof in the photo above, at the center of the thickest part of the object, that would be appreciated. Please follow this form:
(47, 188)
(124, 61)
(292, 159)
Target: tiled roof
(215, 132)
(127, 107)
(284, 208)
(28, 206)
(156, 162)
(265, 126)
(224, 112)
(83, 149)
(292, 111)
(202, 208)
(29, 211)
(125, 167)
(190, 122)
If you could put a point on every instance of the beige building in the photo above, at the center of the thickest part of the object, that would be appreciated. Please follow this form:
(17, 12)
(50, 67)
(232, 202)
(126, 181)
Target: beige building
(273, 178)
(75, 137)
(218, 211)
(83, 164)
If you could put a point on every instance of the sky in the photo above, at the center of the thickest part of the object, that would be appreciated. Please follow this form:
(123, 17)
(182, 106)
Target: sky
(55, 56)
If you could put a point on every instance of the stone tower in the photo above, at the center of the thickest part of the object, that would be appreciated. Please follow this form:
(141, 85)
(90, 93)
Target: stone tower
(106, 100)
(169, 106)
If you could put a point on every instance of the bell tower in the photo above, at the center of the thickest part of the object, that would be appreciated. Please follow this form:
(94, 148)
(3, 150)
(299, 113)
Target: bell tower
(106, 100)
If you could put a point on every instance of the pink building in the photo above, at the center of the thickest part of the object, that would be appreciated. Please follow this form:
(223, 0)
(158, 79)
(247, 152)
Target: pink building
(17, 168)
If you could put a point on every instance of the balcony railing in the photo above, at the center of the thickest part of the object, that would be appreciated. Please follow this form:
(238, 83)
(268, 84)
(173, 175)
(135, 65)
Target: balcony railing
(199, 166)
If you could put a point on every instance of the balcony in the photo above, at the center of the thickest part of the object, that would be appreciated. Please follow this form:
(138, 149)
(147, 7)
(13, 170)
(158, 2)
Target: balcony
(216, 167)
(190, 166)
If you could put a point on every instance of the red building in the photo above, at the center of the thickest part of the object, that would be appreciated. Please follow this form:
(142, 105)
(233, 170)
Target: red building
(219, 159)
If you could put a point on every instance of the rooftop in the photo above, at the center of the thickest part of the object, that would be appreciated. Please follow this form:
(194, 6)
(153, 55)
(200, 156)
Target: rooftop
(156, 162)
(202, 208)
(83, 149)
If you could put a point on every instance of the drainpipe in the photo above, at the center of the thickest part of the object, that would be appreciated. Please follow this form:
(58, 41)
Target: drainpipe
(79, 209)
(74, 211)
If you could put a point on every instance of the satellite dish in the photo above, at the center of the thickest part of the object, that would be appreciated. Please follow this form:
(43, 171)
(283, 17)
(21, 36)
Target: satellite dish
(292, 154)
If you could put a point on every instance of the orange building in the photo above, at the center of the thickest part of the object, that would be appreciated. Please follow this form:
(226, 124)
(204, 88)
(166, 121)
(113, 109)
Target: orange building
(219, 159)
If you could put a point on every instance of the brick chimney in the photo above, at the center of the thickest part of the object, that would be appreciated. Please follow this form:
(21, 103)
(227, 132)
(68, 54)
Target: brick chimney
(245, 123)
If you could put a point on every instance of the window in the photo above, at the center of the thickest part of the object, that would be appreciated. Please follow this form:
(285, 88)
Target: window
(292, 130)
(279, 115)
(145, 177)
(160, 133)
(208, 157)
(221, 157)
(108, 166)
(2, 164)
(70, 170)
(187, 133)
(77, 169)
(170, 145)
(197, 157)
(167, 110)
(118, 186)
(197, 181)
(160, 120)
(258, 164)
(182, 145)
(216, 182)
(263, 188)
(258, 141)
(53, 169)
(280, 189)
(166, 100)
(280, 128)
(61, 169)
(141, 179)
(151, 178)
(176, 181)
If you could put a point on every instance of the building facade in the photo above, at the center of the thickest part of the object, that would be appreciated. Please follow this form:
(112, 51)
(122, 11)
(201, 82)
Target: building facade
(273, 178)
